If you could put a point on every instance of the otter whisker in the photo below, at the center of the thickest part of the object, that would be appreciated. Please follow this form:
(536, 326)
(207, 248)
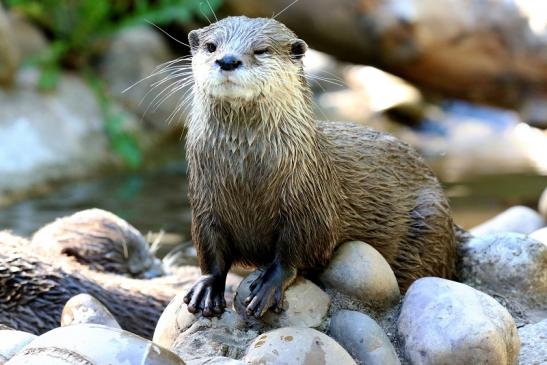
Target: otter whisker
(212, 11)
(177, 88)
(285, 9)
(166, 33)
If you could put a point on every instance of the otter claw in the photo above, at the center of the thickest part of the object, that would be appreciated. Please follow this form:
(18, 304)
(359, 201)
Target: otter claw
(207, 296)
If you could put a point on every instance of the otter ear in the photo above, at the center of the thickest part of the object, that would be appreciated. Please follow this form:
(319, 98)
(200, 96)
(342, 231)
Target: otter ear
(298, 49)
(193, 39)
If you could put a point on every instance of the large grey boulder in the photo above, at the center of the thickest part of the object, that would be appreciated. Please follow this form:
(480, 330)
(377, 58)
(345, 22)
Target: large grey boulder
(511, 264)
(444, 322)
(44, 137)
(363, 338)
(361, 272)
(132, 64)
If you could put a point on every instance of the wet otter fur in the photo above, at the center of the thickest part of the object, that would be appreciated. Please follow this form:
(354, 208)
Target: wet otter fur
(272, 187)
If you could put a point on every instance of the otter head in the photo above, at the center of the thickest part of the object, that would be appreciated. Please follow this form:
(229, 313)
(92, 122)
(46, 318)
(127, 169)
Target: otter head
(241, 59)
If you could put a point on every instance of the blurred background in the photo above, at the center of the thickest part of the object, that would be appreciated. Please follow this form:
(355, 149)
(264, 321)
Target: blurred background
(464, 81)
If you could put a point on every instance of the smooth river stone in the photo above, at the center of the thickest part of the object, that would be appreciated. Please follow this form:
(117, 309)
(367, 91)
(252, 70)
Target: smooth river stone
(304, 304)
(83, 308)
(444, 322)
(11, 342)
(361, 272)
(92, 344)
(510, 264)
(518, 219)
(363, 338)
(296, 346)
(540, 235)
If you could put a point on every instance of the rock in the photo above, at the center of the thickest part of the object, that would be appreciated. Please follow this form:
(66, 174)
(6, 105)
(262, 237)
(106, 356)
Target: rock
(11, 342)
(511, 264)
(444, 322)
(540, 235)
(176, 319)
(93, 344)
(291, 345)
(304, 304)
(135, 54)
(206, 338)
(100, 240)
(517, 219)
(542, 205)
(83, 308)
(30, 41)
(361, 272)
(33, 123)
(217, 360)
(363, 338)
(9, 54)
(533, 338)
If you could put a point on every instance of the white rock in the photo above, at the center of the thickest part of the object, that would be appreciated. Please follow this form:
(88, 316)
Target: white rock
(517, 219)
(92, 344)
(533, 350)
(304, 304)
(174, 320)
(296, 346)
(444, 322)
(11, 342)
(540, 235)
(511, 264)
(542, 205)
(83, 308)
(361, 272)
(363, 338)
(217, 360)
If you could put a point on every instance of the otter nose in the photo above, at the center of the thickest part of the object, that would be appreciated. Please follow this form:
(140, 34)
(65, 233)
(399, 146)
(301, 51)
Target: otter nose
(228, 63)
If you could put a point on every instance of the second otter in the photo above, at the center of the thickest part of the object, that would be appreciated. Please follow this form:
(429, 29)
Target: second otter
(273, 188)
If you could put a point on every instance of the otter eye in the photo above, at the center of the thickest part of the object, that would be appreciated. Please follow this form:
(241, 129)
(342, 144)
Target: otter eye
(211, 47)
(262, 51)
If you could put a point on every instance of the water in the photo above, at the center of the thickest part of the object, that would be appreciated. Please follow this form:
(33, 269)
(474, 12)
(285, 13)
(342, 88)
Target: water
(157, 200)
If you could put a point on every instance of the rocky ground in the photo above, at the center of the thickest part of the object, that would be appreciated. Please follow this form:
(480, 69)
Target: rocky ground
(353, 313)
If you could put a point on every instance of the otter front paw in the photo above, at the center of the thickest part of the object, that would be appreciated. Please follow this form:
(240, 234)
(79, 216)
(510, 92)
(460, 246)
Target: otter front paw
(207, 296)
(267, 290)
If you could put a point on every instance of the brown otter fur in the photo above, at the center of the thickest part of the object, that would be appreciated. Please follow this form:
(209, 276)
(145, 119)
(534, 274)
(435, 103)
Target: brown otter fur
(271, 187)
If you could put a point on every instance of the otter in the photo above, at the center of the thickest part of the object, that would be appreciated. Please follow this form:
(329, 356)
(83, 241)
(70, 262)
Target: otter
(271, 187)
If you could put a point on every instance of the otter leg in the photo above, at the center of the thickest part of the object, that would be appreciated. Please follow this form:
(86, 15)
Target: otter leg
(207, 294)
(267, 290)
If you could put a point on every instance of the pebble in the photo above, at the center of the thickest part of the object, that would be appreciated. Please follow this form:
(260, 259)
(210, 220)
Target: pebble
(92, 344)
(296, 346)
(361, 272)
(11, 342)
(304, 304)
(363, 338)
(444, 322)
(510, 264)
(83, 308)
(533, 350)
(518, 219)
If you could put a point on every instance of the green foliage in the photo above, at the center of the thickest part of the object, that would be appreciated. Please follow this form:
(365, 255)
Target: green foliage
(78, 29)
